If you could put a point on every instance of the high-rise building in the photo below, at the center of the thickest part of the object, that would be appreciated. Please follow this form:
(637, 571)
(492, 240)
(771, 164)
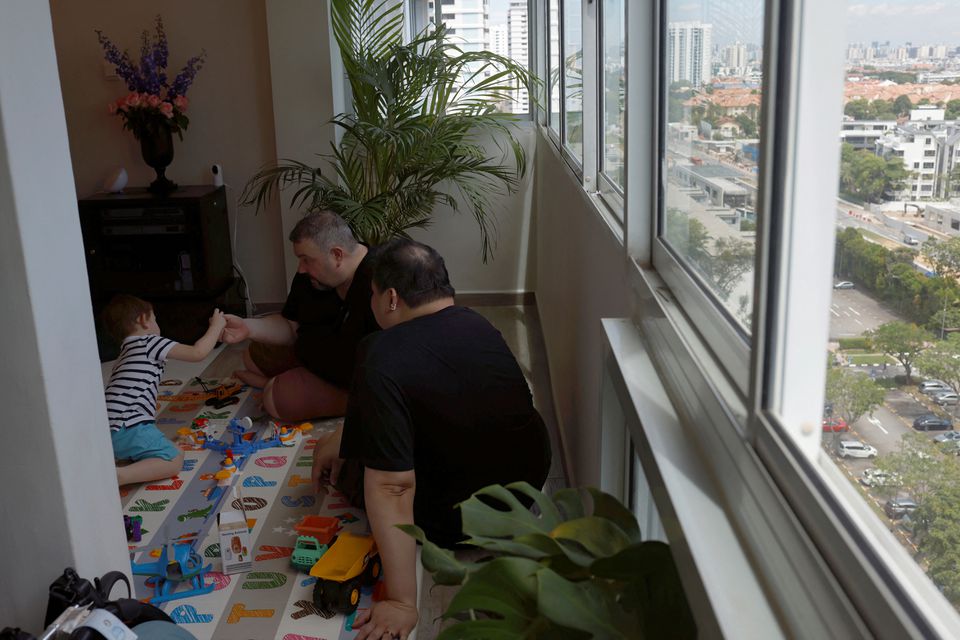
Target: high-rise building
(498, 41)
(735, 58)
(689, 52)
(517, 38)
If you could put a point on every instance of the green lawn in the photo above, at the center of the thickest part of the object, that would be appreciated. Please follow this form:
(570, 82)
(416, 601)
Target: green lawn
(869, 358)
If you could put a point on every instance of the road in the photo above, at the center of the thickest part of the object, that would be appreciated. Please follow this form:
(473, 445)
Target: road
(852, 312)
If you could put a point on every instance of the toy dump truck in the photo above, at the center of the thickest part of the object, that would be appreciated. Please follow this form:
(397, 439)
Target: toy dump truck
(351, 561)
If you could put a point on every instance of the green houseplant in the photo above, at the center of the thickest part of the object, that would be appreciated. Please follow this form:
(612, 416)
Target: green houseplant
(421, 114)
(572, 570)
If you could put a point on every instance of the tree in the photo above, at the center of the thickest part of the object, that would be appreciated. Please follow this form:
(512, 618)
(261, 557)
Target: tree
(858, 109)
(902, 105)
(953, 110)
(901, 341)
(938, 531)
(942, 360)
(732, 258)
(868, 176)
(852, 394)
(747, 125)
(918, 463)
(945, 258)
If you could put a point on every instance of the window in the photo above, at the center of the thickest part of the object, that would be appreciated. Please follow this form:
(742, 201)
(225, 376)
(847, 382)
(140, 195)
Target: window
(927, 165)
(955, 224)
(613, 96)
(553, 71)
(572, 53)
(711, 157)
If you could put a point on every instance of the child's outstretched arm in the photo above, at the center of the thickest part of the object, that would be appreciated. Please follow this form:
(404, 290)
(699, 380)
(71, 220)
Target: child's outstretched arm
(202, 347)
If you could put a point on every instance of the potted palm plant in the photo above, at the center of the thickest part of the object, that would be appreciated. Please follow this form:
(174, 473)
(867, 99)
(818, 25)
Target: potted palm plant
(422, 113)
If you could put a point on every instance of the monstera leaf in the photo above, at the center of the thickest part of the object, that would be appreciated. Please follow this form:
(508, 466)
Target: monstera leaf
(568, 569)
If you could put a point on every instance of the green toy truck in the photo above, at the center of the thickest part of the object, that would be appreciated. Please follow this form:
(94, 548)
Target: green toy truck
(306, 552)
(351, 561)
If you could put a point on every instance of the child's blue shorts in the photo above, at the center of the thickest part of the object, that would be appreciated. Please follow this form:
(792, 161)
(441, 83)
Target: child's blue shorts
(141, 441)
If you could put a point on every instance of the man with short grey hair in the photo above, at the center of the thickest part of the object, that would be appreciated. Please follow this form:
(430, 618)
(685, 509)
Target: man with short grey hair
(303, 358)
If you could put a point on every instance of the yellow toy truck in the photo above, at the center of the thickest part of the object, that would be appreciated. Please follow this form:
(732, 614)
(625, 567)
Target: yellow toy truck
(351, 561)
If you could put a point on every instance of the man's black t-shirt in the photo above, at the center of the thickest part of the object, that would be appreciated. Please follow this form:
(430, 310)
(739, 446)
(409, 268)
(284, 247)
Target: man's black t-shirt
(443, 395)
(330, 329)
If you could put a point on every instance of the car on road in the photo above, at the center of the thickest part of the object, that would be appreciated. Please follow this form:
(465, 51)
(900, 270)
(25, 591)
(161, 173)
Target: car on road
(835, 425)
(949, 436)
(896, 508)
(933, 386)
(944, 398)
(932, 422)
(880, 478)
(855, 449)
(843, 284)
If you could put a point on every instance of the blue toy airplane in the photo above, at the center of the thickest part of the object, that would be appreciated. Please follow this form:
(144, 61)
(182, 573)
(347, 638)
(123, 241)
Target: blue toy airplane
(239, 445)
(178, 563)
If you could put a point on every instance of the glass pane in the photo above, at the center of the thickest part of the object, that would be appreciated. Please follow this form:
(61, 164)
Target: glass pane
(509, 39)
(553, 83)
(712, 58)
(613, 41)
(573, 79)
(894, 353)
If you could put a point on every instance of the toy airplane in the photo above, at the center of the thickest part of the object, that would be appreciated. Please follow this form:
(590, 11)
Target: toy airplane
(243, 442)
(178, 562)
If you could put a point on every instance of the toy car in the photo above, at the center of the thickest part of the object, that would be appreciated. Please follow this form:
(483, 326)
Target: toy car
(306, 552)
(351, 562)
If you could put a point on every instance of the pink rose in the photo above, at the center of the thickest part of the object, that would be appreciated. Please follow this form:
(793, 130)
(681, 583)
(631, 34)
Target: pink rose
(181, 102)
(166, 109)
(153, 101)
(132, 100)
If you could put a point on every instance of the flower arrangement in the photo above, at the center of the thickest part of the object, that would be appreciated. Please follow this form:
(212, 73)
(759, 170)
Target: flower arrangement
(154, 104)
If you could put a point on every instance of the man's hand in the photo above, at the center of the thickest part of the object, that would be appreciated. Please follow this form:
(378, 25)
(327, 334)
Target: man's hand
(326, 459)
(236, 329)
(386, 619)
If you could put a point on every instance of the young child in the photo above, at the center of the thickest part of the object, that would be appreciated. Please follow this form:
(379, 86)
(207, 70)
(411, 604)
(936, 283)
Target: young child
(134, 382)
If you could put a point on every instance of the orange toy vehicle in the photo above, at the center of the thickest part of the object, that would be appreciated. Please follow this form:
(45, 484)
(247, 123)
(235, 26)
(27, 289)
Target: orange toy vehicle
(351, 561)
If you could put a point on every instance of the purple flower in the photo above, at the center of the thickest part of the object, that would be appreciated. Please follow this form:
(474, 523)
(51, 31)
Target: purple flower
(150, 74)
(185, 78)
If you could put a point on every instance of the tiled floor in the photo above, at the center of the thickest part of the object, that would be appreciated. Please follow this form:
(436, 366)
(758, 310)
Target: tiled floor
(520, 326)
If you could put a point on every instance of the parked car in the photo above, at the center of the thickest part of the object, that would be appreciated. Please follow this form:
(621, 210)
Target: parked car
(855, 449)
(933, 386)
(944, 398)
(843, 284)
(835, 425)
(896, 508)
(878, 478)
(931, 422)
(949, 436)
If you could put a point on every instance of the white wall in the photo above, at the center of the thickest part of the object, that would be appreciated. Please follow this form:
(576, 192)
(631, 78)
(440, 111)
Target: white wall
(581, 277)
(58, 495)
(231, 110)
(456, 235)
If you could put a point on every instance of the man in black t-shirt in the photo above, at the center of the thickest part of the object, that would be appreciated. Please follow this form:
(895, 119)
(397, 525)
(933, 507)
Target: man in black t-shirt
(438, 409)
(303, 358)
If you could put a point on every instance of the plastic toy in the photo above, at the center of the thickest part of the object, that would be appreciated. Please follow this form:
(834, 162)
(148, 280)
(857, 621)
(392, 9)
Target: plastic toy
(218, 397)
(241, 442)
(134, 528)
(323, 528)
(290, 435)
(350, 562)
(178, 562)
(317, 533)
(306, 552)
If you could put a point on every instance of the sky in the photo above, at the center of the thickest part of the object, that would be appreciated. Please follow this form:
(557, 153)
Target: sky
(899, 21)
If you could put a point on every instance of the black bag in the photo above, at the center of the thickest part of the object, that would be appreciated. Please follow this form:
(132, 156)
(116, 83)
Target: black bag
(70, 589)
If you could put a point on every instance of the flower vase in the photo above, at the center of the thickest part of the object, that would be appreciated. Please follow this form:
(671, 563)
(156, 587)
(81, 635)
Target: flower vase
(156, 147)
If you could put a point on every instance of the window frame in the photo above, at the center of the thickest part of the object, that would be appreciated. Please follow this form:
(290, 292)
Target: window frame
(828, 540)
(609, 191)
